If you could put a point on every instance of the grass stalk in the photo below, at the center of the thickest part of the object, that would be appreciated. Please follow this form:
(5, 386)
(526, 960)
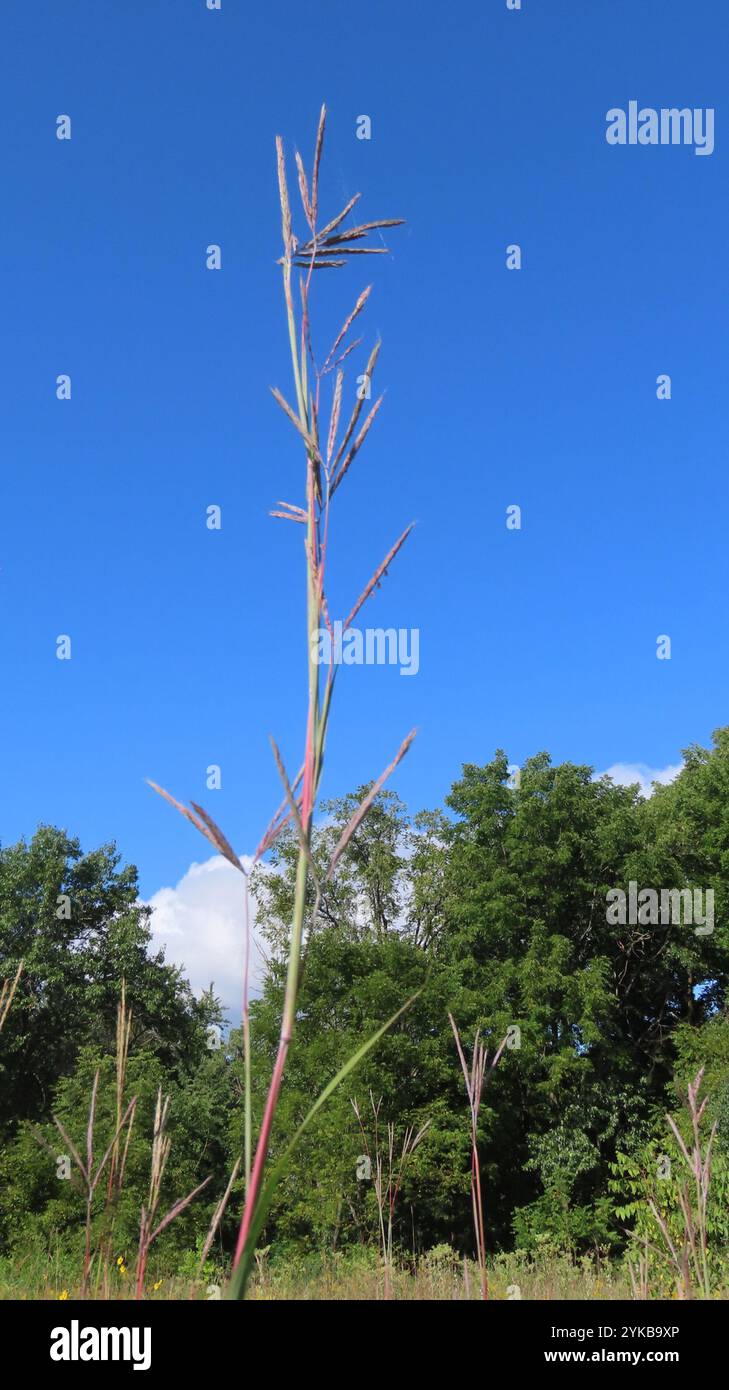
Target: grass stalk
(149, 1229)
(474, 1078)
(389, 1171)
(325, 247)
(688, 1253)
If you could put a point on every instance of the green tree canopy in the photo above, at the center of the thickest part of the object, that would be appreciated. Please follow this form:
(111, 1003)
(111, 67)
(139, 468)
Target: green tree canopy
(76, 921)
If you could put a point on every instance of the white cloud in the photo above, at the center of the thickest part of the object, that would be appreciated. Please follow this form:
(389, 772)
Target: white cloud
(625, 774)
(200, 922)
(201, 925)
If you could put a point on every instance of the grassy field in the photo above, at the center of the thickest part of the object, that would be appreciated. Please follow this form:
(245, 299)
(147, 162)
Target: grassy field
(437, 1277)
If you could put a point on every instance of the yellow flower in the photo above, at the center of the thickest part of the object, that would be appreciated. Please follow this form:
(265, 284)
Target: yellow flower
(63, 1294)
(120, 1261)
(158, 1285)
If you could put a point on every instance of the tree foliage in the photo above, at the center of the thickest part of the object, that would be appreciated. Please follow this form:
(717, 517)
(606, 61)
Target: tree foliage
(494, 909)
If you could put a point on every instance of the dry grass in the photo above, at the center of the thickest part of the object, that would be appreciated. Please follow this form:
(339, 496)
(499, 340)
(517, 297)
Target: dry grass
(149, 1227)
(388, 1162)
(90, 1171)
(509, 1279)
(358, 1277)
(687, 1253)
(474, 1078)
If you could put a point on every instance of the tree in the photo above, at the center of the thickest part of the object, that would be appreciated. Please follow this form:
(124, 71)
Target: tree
(597, 1005)
(76, 921)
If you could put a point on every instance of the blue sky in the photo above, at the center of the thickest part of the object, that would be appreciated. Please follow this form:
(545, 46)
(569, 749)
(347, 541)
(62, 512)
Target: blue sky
(535, 388)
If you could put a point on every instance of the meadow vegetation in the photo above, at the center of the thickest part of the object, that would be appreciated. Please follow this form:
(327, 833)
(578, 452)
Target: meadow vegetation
(491, 910)
(462, 1078)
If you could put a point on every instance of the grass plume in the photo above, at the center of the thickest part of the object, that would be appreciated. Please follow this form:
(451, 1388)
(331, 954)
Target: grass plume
(325, 468)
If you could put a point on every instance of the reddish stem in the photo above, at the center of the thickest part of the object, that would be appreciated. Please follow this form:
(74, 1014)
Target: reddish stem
(262, 1147)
